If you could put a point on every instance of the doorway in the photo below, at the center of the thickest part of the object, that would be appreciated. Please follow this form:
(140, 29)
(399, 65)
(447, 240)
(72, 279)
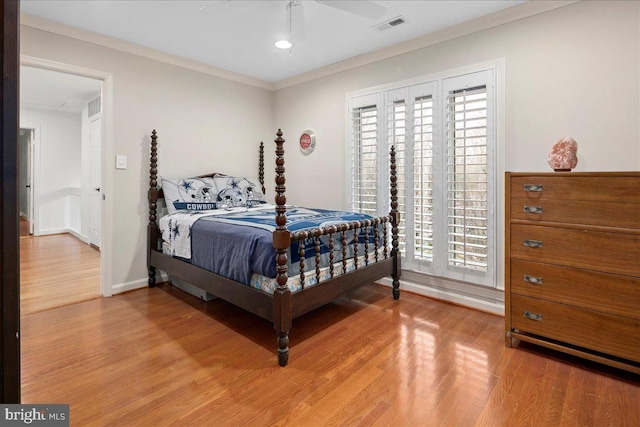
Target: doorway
(61, 119)
(25, 150)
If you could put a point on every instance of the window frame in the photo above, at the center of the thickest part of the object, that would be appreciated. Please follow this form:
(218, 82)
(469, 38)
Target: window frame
(437, 85)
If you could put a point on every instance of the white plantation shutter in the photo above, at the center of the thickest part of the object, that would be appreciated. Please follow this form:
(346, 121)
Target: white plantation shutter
(396, 124)
(469, 177)
(443, 133)
(409, 124)
(364, 128)
(423, 172)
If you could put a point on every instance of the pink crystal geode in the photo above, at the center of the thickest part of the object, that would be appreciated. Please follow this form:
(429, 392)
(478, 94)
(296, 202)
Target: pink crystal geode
(563, 156)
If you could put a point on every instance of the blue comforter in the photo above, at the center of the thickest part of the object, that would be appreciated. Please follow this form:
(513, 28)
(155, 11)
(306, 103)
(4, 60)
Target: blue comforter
(241, 244)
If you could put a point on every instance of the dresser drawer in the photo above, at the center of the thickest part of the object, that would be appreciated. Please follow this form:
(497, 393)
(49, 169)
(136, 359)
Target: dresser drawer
(609, 252)
(584, 212)
(606, 333)
(611, 293)
(602, 187)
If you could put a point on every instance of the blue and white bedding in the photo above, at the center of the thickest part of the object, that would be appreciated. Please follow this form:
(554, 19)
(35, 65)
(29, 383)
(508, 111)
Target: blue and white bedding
(176, 228)
(206, 193)
(238, 243)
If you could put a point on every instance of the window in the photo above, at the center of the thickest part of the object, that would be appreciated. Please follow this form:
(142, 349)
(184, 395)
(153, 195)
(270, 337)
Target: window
(364, 155)
(443, 133)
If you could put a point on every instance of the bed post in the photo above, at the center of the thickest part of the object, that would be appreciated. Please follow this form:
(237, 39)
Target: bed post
(261, 167)
(395, 221)
(152, 228)
(282, 304)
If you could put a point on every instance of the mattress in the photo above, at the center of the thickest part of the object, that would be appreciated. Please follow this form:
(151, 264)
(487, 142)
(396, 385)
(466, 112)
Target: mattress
(239, 245)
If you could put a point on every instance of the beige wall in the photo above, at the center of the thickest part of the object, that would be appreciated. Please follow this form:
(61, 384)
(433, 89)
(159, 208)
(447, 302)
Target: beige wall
(570, 71)
(205, 124)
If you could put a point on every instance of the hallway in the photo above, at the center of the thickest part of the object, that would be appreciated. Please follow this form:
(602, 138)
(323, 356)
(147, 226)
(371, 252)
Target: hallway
(56, 270)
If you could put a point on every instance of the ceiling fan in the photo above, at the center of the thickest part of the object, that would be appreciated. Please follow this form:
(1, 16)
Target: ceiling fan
(295, 14)
(366, 9)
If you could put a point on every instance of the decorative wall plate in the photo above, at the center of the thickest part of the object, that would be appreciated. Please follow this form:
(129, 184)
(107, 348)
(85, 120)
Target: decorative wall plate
(307, 142)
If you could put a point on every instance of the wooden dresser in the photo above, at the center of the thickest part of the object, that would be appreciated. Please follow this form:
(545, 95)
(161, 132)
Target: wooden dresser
(573, 264)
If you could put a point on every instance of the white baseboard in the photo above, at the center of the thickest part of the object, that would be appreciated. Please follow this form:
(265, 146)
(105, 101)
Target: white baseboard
(129, 286)
(81, 237)
(74, 233)
(137, 284)
(460, 298)
(51, 231)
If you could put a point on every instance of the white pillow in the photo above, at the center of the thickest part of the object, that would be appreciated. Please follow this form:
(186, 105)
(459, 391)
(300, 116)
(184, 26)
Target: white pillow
(190, 194)
(238, 191)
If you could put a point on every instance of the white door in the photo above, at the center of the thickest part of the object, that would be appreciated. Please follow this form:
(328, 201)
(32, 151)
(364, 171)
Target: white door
(30, 157)
(95, 222)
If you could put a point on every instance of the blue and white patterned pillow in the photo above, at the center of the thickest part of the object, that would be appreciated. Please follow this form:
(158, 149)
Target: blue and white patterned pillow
(237, 191)
(190, 194)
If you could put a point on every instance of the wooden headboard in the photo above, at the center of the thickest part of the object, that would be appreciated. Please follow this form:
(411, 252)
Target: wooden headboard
(155, 193)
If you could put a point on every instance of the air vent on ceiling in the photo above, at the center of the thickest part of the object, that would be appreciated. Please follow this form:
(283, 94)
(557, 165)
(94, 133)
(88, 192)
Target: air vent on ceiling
(393, 22)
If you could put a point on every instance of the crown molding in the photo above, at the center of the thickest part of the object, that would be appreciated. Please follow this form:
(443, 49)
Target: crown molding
(511, 14)
(530, 8)
(134, 49)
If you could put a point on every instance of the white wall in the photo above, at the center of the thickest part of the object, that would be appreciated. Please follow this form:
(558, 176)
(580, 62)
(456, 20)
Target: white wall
(204, 123)
(57, 168)
(570, 71)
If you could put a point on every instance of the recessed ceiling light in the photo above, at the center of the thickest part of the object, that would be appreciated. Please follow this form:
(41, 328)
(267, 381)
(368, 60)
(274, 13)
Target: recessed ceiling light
(283, 44)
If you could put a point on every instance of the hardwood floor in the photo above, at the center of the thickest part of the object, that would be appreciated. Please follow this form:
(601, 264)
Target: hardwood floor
(162, 357)
(56, 270)
(24, 226)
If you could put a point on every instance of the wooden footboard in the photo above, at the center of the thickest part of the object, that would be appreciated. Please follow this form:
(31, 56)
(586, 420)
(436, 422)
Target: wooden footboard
(283, 306)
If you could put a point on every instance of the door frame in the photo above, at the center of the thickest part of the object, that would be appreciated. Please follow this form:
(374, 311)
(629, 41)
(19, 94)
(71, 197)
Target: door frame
(9, 233)
(106, 252)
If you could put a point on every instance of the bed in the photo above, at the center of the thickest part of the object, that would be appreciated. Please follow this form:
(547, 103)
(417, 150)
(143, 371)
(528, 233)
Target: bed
(310, 265)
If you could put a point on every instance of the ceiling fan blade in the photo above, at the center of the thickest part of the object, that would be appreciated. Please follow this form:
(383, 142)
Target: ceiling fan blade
(295, 13)
(224, 6)
(366, 9)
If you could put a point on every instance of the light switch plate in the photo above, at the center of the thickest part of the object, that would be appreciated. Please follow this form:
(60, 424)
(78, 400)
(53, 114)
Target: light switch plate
(121, 161)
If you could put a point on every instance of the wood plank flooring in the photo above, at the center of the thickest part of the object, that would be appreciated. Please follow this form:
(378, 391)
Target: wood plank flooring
(24, 226)
(157, 357)
(56, 270)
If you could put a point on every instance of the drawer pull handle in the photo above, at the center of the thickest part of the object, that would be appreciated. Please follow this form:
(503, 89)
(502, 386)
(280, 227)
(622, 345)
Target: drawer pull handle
(533, 316)
(532, 187)
(532, 243)
(532, 279)
(533, 209)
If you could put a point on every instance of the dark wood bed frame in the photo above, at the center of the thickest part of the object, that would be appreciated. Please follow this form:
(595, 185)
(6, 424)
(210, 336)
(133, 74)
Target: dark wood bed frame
(283, 306)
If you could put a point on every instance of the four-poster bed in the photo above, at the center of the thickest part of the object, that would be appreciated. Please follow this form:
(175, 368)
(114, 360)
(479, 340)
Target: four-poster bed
(355, 253)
